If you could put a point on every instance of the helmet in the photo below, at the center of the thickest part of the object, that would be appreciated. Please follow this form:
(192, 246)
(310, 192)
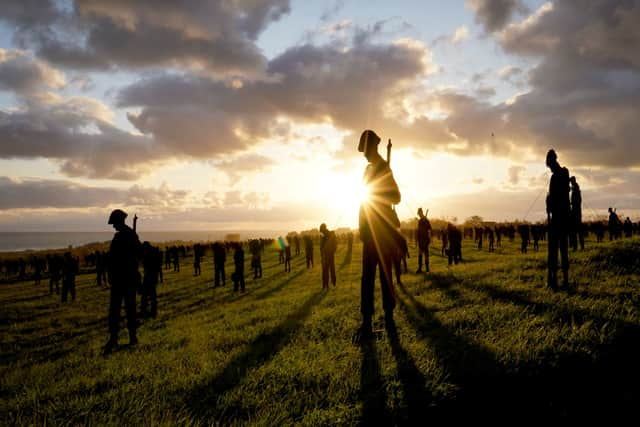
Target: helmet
(367, 137)
(117, 216)
(551, 156)
(323, 227)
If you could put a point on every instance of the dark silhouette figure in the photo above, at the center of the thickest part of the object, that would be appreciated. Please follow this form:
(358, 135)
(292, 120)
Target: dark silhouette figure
(167, 258)
(454, 252)
(54, 266)
(628, 228)
(296, 244)
(219, 258)
(256, 258)
(444, 236)
(378, 225)
(400, 260)
(423, 239)
(308, 250)
(238, 274)
(479, 237)
(558, 212)
(577, 233)
(614, 225)
(69, 272)
(37, 270)
(158, 254)
(525, 236)
(175, 256)
(328, 246)
(149, 280)
(124, 278)
(287, 257)
(197, 257)
(101, 268)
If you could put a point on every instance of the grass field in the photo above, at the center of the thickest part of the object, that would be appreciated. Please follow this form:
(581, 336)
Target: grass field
(481, 340)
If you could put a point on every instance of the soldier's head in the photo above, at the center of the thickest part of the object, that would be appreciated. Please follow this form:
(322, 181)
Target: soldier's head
(323, 228)
(117, 218)
(552, 158)
(420, 213)
(368, 144)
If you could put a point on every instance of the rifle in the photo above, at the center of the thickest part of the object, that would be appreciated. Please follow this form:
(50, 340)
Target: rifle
(389, 152)
(135, 221)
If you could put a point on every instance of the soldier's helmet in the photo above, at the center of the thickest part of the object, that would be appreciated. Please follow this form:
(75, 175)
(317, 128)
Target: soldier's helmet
(117, 216)
(323, 227)
(551, 157)
(367, 137)
(420, 211)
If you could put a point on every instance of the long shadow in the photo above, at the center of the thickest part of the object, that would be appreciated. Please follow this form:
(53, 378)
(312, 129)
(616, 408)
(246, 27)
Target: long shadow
(270, 291)
(414, 384)
(564, 384)
(445, 283)
(201, 400)
(372, 394)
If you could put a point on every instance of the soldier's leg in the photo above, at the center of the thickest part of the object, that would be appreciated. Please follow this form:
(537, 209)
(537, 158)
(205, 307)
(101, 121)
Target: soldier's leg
(564, 257)
(325, 273)
(65, 290)
(552, 259)
(72, 289)
(130, 308)
(386, 285)
(426, 259)
(419, 260)
(332, 269)
(115, 302)
(369, 264)
(153, 296)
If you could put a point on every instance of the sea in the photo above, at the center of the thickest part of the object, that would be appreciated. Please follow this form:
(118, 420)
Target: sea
(41, 240)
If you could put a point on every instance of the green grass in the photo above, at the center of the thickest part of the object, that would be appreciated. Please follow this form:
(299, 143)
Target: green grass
(483, 339)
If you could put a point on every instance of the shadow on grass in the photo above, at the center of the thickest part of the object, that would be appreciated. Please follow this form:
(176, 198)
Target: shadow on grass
(566, 384)
(202, 400)
(372, 392)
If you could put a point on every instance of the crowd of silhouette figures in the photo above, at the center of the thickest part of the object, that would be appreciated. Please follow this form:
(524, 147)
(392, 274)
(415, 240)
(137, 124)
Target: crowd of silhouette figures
(49, 267)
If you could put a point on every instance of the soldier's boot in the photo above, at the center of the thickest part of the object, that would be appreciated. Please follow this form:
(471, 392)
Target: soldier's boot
(111, 345)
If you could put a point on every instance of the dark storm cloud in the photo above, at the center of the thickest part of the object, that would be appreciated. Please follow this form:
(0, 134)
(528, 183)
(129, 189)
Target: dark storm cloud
(37, 193)
(494, 15)
(212, 35)
(78, 134)
(21, 73)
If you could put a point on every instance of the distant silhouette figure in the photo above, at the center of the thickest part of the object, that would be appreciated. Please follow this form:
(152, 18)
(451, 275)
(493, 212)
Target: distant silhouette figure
(444, 236)
(54, 266)
(627, 227)
(238, 262)
(558, 212)
(124, 278)
(423, 238)
(378, 226)
(576, 234)
(69, 271)
(256, 258)
(175, 256)
(524, 232)
(219, 259)
(454, 236)
(308, 250)
(287, 257)
(296, 244)
(149, 280)
(197, 256)
(614, 225)
(328, 246)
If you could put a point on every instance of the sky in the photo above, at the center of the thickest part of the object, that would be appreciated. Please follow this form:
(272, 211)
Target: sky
(245, 114)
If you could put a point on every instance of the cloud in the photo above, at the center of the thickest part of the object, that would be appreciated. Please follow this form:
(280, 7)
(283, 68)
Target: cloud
(515, 173)
(211, 35)
(244, 164)
(493, 15)
(77, 132)
(461, 34)
(21, 73)
(39, 194)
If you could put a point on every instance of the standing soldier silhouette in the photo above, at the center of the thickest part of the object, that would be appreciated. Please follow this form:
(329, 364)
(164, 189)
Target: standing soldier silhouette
(123, 278)
(577, 232)
(378, 228)
(558, 213)
(328, 246)
(423, 238)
